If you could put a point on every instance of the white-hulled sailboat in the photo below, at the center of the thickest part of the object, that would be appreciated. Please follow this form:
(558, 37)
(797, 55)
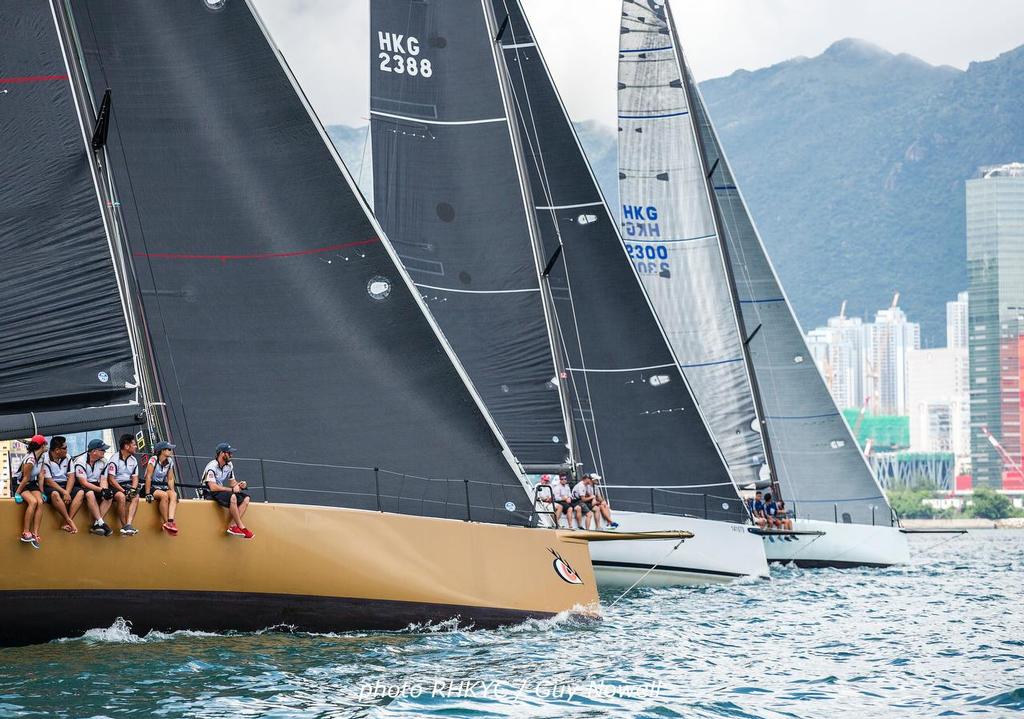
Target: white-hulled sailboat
(481, 182)
(727, 316)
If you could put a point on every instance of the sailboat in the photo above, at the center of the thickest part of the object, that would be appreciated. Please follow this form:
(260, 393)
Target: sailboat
(678, 192)
(482, 184)
(188, 257)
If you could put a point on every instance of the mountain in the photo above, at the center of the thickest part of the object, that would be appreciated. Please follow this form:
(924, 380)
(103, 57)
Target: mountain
(853, 164)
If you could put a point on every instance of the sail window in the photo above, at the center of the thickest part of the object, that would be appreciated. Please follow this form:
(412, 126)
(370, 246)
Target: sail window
(659, 379)
(556, 439)
(214, 4)
(103, 377)
(586, 219)
(379, 288)
(837, 443)
(510, 506)
(798, 359)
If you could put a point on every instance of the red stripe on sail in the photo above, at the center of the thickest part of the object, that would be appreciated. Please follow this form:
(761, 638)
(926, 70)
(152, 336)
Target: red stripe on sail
(31, 78)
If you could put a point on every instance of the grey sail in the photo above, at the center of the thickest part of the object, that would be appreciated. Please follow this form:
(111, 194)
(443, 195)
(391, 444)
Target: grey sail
(671, 234)
(279, 317)
(65, 350)
(636, 421)
(446, 191)
(820, 468)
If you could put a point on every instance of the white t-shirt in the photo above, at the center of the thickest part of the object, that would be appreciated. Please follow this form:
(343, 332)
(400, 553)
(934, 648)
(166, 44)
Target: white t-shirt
(122, 470)
(562, 492)
(160, 471)
(581, 490)
(216, 474)
(57, 469)
(92, 473)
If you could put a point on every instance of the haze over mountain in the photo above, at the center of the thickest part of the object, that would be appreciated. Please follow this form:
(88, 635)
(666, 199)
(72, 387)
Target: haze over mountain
(853, 164)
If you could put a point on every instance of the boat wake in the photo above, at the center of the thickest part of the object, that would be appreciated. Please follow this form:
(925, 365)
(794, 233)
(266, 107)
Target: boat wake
(120, 632)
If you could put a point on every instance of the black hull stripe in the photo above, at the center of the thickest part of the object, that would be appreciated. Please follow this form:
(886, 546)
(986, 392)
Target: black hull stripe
(35, 616)
(828, 563)
(665, 568)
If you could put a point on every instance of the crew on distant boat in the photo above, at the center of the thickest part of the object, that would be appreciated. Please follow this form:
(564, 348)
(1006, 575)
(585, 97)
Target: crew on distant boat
(771, 513)
(160, 484)
(29, 491)
(56, 475)
(123, 478)
(91, 486)
(783, 515)
(756, 507)
(563, 500)
(225, 490)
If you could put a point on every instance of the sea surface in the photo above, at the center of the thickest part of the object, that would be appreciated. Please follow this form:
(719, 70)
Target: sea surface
(941, 637)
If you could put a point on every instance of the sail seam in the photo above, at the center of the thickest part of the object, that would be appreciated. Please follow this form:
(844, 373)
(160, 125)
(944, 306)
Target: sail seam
(478, 292)
(429, 121)
(620, 369)
(713, 362)
(654, 117)
(260, 256)
(568, 207)
(518, 45)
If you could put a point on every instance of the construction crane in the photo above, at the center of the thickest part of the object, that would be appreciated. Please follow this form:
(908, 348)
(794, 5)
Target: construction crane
(1008, 460)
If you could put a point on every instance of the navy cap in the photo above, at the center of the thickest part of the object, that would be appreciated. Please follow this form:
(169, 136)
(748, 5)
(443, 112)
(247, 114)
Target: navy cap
(225, 447)
(98, 444)
(160, 446)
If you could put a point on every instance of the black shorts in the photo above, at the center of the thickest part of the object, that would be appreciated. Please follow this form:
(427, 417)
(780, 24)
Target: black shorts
(224, 498)
(585, 506)
(32, 487)
(564, 504)
(78, 489)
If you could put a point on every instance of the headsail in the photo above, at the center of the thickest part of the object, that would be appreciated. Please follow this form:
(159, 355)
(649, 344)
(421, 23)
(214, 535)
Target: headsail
(446, 190)
(637, 423)
(821, 469)
(279, 316)
(66, 360)
(670, 232)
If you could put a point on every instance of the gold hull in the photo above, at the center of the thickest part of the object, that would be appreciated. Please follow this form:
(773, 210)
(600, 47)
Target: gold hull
(309, 568)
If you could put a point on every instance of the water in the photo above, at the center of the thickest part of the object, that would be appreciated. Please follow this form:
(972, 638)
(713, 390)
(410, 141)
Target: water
(941, 637)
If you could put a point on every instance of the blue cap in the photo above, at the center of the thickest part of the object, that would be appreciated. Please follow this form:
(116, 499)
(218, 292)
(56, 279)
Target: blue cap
(225, 447)
(161, 446)
(98, 444)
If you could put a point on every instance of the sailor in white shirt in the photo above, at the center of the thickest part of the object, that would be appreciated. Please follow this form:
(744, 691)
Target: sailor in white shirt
(29, 491)
(91, 484)
(58, 478)
(583, 501)
(160, 484)
(226, 490)
(123, 478)
(562, 496)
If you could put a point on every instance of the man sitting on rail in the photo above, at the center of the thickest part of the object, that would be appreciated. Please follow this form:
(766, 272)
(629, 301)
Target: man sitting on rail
(225, 490)
(602, 510)
(123, 478)
(91, 486)
(563, 500)
(756, 507)
(59, 480)
(583, 502)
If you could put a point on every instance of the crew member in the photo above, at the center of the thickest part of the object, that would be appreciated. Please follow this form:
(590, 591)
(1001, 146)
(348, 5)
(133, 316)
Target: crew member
(583, 502)
(225, 490)
(123, 478)
(562, 495)
(601, 507)
(59, 479)
(160, 484)
(91, 486)
(30, 492)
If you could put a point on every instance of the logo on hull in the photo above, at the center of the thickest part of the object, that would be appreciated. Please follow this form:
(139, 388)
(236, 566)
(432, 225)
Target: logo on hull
(563, 570)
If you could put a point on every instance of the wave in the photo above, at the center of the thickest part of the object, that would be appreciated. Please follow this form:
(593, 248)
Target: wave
(120, 632)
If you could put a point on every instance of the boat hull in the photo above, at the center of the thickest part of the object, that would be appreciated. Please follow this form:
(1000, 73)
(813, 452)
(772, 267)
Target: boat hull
(842, 545)
(308, 569)
(719, 552)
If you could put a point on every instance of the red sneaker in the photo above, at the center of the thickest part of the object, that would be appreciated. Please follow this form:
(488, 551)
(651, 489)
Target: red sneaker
(248, 533)
(170, 528)
(236, 532)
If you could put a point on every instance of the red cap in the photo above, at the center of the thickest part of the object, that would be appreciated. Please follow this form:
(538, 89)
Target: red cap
(38, 439)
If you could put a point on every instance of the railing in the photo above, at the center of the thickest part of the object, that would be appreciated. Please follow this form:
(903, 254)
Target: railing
(371, 488)
(850, 511)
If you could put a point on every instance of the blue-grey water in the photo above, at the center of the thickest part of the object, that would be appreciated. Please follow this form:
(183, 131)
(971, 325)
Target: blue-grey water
(941, 637)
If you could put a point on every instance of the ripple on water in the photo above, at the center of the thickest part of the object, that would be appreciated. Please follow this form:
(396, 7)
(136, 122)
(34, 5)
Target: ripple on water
(925, 640)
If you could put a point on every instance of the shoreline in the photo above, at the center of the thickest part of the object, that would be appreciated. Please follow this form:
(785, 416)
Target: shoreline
(964, 523)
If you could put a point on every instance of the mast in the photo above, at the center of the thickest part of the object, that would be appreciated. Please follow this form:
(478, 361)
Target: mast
(155, 423)
(543, 264)
(719, 233)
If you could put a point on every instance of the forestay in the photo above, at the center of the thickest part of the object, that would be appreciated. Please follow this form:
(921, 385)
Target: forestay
(821, 469)
(447, 192)
(66, 359)
(669, 230)
(279, 316)
(636, 422)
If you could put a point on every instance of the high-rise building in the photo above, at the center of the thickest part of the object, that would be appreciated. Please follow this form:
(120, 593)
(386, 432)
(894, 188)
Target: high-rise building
(956, 322)
(838, 350)
(938, 402)
(995, 273)
(11, 453)
(888, 341)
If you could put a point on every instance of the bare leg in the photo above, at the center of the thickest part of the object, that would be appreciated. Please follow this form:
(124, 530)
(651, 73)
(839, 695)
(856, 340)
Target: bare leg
(241, 511)
(133, 507)
(236, 519)
(37, 519)
(122, 508)
(31, 503)
(558, 514)
(161, 503)
(57, 500)
(172, 504)
(102, 508)
(76, 503)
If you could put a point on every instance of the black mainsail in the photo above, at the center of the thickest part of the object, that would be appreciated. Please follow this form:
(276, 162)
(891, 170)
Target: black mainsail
(447, 191)
(279, 317)
(66, 362)
(634, 418)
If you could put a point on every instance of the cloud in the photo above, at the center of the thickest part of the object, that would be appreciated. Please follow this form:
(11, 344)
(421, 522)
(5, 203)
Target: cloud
(326, 42)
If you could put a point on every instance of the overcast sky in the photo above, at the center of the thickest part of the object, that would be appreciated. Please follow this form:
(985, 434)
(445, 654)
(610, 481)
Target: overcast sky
(326, 41)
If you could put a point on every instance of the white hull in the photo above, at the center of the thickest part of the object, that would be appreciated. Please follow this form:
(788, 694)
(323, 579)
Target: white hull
(719, 552)
(842, 545)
